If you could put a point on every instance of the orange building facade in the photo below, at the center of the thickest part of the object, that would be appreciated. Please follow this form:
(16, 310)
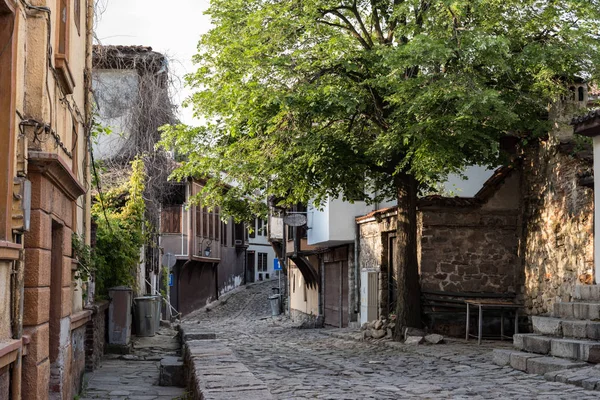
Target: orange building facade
(45, 119)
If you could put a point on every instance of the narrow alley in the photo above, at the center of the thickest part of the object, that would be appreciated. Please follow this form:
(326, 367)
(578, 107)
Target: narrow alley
(312, 363)
(135, 376)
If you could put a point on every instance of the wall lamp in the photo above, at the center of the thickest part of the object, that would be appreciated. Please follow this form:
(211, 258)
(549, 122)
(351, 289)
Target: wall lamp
(207, 249)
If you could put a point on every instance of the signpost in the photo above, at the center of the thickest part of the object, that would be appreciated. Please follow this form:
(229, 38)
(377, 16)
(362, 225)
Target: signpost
(277, 267)
(169, 260)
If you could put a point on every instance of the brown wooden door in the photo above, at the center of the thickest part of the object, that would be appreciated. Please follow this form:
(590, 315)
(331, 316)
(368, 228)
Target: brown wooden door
(336, 294)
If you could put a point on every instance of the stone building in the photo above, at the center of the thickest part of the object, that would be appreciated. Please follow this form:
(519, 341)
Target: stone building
(45, 60)
(467, 245)
(131, 87)
(527, 235)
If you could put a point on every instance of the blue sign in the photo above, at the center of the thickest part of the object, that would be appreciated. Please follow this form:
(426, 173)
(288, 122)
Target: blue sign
(276, 265)
(170, 279)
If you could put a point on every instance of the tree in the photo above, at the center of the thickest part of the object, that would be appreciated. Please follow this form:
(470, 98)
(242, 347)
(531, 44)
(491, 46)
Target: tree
(308, 99)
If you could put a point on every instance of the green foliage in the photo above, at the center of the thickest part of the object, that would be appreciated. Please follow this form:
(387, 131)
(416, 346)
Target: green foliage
(119, 236)
(84, 256)
(303, 100)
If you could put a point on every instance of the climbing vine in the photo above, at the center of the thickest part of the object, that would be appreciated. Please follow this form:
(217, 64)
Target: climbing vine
(83, 254)
(120, 233)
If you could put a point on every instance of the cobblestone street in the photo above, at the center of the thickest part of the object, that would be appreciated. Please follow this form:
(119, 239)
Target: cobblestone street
(307, 363)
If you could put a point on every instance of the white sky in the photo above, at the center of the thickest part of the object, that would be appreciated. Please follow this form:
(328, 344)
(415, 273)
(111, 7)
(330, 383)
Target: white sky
(172, 29)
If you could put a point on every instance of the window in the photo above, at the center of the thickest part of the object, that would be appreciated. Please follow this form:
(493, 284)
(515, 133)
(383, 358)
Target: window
(208, 223)
(224, 234)
(262, 227)
(170, 219)
(240, 233)
(253, 233)
(215, 223)
(205, 224)
(262, 261)
(77, 16)
(63, 27)
(64, 74)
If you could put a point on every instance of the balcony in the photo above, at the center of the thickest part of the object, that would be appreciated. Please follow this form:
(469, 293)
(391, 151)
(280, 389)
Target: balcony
(174, 229)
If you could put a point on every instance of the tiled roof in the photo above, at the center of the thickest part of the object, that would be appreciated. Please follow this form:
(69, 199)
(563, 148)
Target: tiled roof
(586, 117)
(124, 49)
(127, 57)
(375, 213)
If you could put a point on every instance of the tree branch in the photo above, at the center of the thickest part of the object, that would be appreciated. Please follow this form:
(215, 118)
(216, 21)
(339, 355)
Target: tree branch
(348, 26)
(377, 22)
(354, 10)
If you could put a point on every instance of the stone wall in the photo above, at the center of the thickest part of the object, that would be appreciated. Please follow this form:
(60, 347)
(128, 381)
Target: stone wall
(78, 339)
(5, 382)
(95, 339)
(469, 250)
(373, 252)
(558, 217)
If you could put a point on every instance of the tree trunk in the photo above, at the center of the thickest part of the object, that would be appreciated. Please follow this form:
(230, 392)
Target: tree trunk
(408, 303)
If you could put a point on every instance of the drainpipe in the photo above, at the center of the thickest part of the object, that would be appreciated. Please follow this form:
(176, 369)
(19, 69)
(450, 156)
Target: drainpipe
(17, 302)
(356, 269)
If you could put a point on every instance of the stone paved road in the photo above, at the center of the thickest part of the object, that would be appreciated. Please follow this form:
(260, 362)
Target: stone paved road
(135, 377)
(314, 364)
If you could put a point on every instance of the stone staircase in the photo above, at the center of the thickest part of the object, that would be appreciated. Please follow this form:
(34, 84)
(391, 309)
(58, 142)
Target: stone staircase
(564, 347)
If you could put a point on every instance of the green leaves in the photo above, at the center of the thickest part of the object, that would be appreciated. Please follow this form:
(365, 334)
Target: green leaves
(302, 100)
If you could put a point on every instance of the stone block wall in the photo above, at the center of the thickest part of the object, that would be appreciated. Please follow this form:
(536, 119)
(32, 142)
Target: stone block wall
(469, 250)
(95, 335)
(5, 382)
(78, 341)
(373, 253)
(558, 218)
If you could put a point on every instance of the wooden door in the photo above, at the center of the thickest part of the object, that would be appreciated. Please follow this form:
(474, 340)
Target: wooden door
(336, 294)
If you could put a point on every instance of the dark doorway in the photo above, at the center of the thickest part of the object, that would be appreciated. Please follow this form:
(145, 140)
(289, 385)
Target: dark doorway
(56, 284)
(250, 271)
(392, 276)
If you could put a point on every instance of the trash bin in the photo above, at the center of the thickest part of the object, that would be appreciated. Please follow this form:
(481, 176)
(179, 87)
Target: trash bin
(158, 305)
(275, 306)
(145, 315)
(119, 315)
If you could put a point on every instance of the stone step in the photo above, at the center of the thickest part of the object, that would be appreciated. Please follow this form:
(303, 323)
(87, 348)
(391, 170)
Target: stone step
(575, 349)
(582, 329)
(533, 363)
(588, 293)
(171, 372)
(575, 310)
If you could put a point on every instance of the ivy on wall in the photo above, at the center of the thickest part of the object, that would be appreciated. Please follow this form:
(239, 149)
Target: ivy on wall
(119, 214)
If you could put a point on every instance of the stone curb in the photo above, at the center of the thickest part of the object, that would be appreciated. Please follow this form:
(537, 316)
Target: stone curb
(213, 372)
